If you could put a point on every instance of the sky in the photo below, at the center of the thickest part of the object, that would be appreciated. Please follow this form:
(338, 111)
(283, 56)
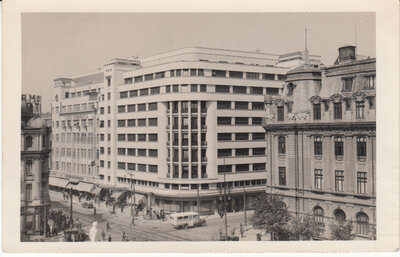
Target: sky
(68, 44)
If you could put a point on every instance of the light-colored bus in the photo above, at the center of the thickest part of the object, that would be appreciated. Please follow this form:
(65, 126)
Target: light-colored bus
(186, 219)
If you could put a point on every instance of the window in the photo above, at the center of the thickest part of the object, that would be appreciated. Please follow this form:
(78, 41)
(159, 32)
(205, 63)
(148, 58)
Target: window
(133, 93)
(318, 215)
(155, 90)
(121, 137)
(28, 192)
(362, 222)
(153, 168)
(241, 105)
(224, 121)
(153, 137)
(193, 88)
(153, 152)
(259, 166)
(185, 107)
(28, 167)
(347, 84)
(258, 151)
(239, 90)
(121, 165)
(153, 122)
(282, 176)
(142, 152)
(317, 145)
(123, 94)
(318, 177)
(281, 113)
(281, 77)
(242, 152)
(362, 182)
(360, 106)
(142, 137)
(224, 152)
(256, 90)
(337, 108)
(203, 88)
(141, 167)
(149, 76)
(317, 111)
(257, 106)
(340, 216)
(242, 167)
(160, 75)
(272, 91)
(131, 166)
(131, 137)
(339, 180)
(258, 136)
(241, 121)
(218, 73)
(256, 121)
(241, 136)
(131, 151)
(178, 73)
(185, 139)
(236, 74)
(121, 109)
(144, 91)
(281, 145)
(127, 80)
(361, 146)
(369, 82)
(223, 105)
(121, 123)
(152, 106)
(224, 136)
(28, 142)
(339, 146)
(268, 76)
(102, 164)
(221, 89)
(141, 107)
(252, 75)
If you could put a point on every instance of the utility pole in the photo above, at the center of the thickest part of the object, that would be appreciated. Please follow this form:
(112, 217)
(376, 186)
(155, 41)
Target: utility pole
(244, 204)
(225, 203)
(70, 221)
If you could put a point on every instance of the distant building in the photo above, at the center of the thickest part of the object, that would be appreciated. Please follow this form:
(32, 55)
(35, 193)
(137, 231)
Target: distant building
(322, 144)
(35, 153)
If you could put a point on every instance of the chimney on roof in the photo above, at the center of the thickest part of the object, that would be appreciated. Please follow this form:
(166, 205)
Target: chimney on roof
(347, 53)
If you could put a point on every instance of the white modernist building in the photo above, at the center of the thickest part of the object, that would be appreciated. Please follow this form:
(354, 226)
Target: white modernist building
(171, 125)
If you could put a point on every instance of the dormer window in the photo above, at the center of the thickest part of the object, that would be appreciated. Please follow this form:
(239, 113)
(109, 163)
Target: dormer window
(347, 84)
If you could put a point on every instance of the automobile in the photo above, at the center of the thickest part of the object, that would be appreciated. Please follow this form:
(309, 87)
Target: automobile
(88, 205)
(75, 235)
(186, 220)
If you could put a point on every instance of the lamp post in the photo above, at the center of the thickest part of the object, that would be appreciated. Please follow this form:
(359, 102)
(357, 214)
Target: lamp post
(244, 204)
(134, 195)
(71, 219)
(198, 200)
(224, 198)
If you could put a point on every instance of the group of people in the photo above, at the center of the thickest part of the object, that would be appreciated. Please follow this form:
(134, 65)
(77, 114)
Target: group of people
(233, 231)
(57, 221)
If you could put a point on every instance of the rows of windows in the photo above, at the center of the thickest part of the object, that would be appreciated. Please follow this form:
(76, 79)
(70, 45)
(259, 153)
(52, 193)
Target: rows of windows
(226, 89)
(338, 180)
(243, 183)
(149, 122)
(362, 219)
(241, 152)
(137, 182)
(76, 107)
(138, 152)
(74, 138)
(361, 143)
(240, 105)
(194, 171)
(75, 123)
(224, 121)
(135, 166)
(74, 153)
(246, 167)
(138, 137)
(80, 93)
(200, 72)
(240, 136)
(137, 107)
(185, 153)
(368, 83)
(185, 105)
(84, 169)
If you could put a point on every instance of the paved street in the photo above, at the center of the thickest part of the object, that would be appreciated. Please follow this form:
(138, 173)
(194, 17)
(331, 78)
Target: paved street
(146, 230)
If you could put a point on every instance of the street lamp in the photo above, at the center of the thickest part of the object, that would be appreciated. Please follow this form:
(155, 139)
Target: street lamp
(134, 195)
(224, 198)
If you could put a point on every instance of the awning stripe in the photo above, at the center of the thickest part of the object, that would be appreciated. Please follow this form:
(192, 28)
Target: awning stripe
(58, 182)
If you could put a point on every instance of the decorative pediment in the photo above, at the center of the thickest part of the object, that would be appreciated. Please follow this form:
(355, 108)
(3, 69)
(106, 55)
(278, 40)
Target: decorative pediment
(315, 99)
(336, 98)
(279, 102)
(359, 96)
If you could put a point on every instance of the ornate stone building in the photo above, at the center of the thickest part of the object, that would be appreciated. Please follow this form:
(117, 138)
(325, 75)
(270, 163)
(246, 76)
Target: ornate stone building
(35, 154)
(322, 144)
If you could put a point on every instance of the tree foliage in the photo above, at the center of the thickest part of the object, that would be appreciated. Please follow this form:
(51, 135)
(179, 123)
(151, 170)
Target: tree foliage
(304, 227)
(341, 230)
(271, 214)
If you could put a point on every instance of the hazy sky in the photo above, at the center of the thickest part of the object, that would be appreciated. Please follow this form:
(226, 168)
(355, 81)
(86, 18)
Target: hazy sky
(62, 45)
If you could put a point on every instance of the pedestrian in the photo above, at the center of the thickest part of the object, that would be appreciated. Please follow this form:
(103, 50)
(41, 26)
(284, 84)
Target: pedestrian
(220, 232)
(124, 237)
(109, 238)
(258, 237)
(233, 232)
(241, 230)
(122, 208)
(103, 235)
(133, 221)
(94, 211)
(108, 226)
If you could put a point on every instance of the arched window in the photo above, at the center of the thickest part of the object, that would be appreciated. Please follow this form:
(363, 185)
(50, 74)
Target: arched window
(340, 216)
(28, 142)
(362, 223)
(318, 215)
(28, 167)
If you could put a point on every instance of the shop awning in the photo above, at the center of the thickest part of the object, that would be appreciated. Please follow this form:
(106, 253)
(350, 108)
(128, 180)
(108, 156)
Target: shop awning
(58, 182)
(116, 195)
(96, 191)
(84, 187)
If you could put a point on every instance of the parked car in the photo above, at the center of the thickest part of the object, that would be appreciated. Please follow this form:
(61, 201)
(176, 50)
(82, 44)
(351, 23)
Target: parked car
(186, 220)
(88, 205)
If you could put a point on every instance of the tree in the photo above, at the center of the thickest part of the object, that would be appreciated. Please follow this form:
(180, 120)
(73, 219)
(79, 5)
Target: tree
(304, 227)
(271, 214)
(341, 230)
